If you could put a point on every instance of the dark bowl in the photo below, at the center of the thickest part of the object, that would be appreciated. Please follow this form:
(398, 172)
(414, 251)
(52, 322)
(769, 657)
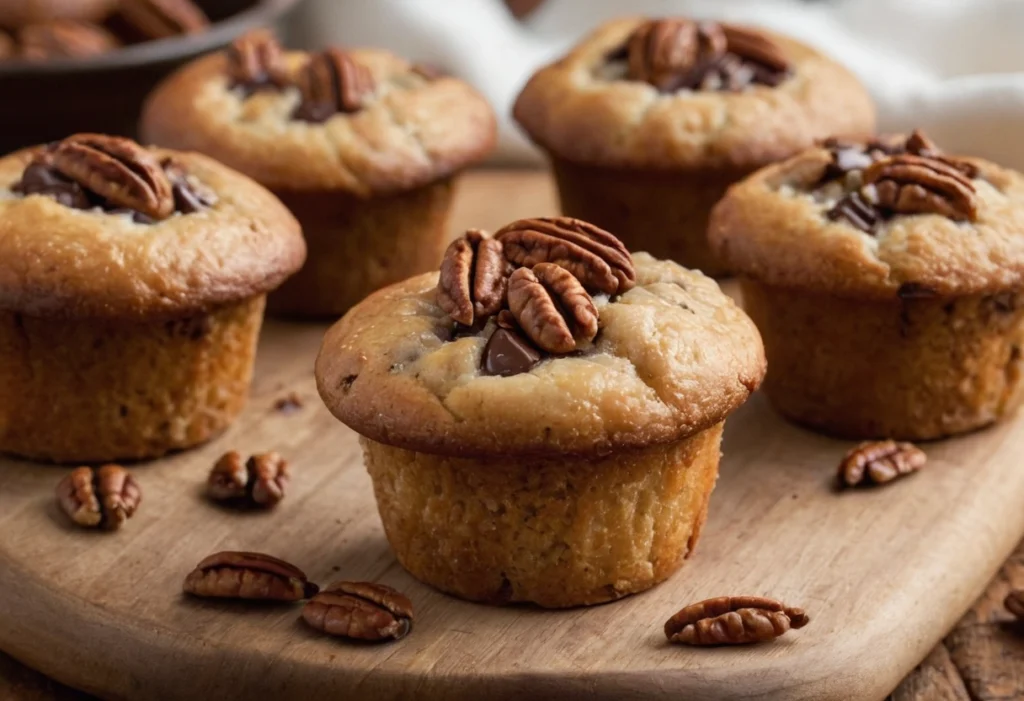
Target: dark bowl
(41, 102)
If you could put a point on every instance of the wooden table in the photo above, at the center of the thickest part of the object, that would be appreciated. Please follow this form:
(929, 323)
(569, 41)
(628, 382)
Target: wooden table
(981, 659)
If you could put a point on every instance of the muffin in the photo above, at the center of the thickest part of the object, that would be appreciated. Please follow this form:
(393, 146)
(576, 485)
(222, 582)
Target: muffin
(132, 285)
(361, 145)
(648, 122)
(542, 419)
(886, 280)
(17, 13)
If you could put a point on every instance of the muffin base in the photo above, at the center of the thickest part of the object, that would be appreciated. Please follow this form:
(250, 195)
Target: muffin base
(914, 369)
(356, 246)
(663, 213)
(557, 532)
(95, 391)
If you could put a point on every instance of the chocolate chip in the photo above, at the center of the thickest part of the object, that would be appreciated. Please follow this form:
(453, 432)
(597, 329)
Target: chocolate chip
(508, 353)
(855, 210)
(186, 200)
(915, 290)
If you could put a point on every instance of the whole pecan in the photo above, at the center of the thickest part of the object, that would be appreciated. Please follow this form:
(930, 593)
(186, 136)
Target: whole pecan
(670, 53)
(118, 170)
(733, 620)
(159, 19)
(64, 39)
(1015, 603)
(552, 307)
(260, 481)
(242, 575)
(595, 257)
(105, 498)
(880, 462)
(360, 610)
(909, 184)
(332, 82)
(474, 277)
(256, 60)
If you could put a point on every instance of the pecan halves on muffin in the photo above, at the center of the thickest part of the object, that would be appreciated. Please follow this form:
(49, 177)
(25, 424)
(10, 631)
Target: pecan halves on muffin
(597, 259)
(360, 611)
(733, 620)
(333, 82)
(909, 184)
(246, 575)
(474, 277)
(256, 60)
(105, 498)
(119, 170)
(159, 19)
(64, 39)
(879, 462)
(668, 53)
(552, 307)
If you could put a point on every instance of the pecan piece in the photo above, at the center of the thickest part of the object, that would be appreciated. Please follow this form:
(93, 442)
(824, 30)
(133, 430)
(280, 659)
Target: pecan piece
(595, 257)
(756, 47)
(361, 611)
(332, 82)
(118, 170)
(256, 61)
(1015, 603)
(671, 53)
(552, 307)
(880, 462)
(64, 39)
(103, 498)
(159, 19)
(289, 404)
(909, 184)
(260, 481)
(242, 575)
(733, 620)
(474, 277)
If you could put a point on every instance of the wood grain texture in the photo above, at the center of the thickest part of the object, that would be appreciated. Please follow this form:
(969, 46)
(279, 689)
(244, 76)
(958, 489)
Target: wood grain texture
(884, 574)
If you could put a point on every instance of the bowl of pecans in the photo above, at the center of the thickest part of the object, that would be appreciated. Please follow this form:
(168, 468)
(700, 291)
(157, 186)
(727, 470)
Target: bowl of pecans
(86, 66)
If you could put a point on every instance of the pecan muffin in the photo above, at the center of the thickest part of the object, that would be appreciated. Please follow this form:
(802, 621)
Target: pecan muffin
(647, 123)
(361, 145)
(542, 420)
(132, 285)
(886, 280)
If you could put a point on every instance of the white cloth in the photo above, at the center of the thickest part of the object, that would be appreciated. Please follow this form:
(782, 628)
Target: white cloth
(953, 67)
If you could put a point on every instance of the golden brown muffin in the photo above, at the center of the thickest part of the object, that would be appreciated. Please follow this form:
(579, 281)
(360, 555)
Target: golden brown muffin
(361, 145)
(132, 286)
(17, 13)
(648, 122)
(886, 280)
(542, 419)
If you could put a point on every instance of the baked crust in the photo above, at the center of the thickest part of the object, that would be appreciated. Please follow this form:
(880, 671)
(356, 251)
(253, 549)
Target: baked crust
(413, 131)
(17, 13)
(571, 110)
(59, 261)
(674, 356)
(769, 228)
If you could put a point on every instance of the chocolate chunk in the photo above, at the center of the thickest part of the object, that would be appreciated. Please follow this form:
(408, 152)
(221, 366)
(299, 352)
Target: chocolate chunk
(857, 211)
(508, 353)
(187, 200)
(42, 179)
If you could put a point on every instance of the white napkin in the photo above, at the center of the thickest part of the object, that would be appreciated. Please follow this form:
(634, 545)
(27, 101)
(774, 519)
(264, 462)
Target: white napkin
(953, 67)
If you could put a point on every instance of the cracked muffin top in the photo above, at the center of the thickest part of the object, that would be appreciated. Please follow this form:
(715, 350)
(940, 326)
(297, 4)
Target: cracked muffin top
(546, 338)
(889, 217)
(361, 120)
(98, 226)
(677, 94)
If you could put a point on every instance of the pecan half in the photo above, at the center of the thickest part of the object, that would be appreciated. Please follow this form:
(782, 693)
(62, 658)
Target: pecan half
(103, 498)
(260, 481)
(256, 60)
(242, 575)
(1015, 603)
(880, 462)
(756, 47)
(670, 53)
(733, 620)
(332, 82)
(909, 184)
(360, 610)
(64, 39)
(474, 277)
(118, 170)
(595, 257)
(159, 19)
(552, 307)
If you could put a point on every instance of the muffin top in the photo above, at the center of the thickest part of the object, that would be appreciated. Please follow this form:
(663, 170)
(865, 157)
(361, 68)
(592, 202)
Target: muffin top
(677, 94)
(98, 226)
(362, 121)
(546, 338)
(879, 219)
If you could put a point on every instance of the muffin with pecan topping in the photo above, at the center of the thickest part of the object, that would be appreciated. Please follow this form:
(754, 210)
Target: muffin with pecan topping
(361, 145)
(886, 279)
(648, 122)
(542, 419)
(132, 285)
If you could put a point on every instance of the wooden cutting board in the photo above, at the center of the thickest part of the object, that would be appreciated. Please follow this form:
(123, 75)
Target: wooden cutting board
(883, 573)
